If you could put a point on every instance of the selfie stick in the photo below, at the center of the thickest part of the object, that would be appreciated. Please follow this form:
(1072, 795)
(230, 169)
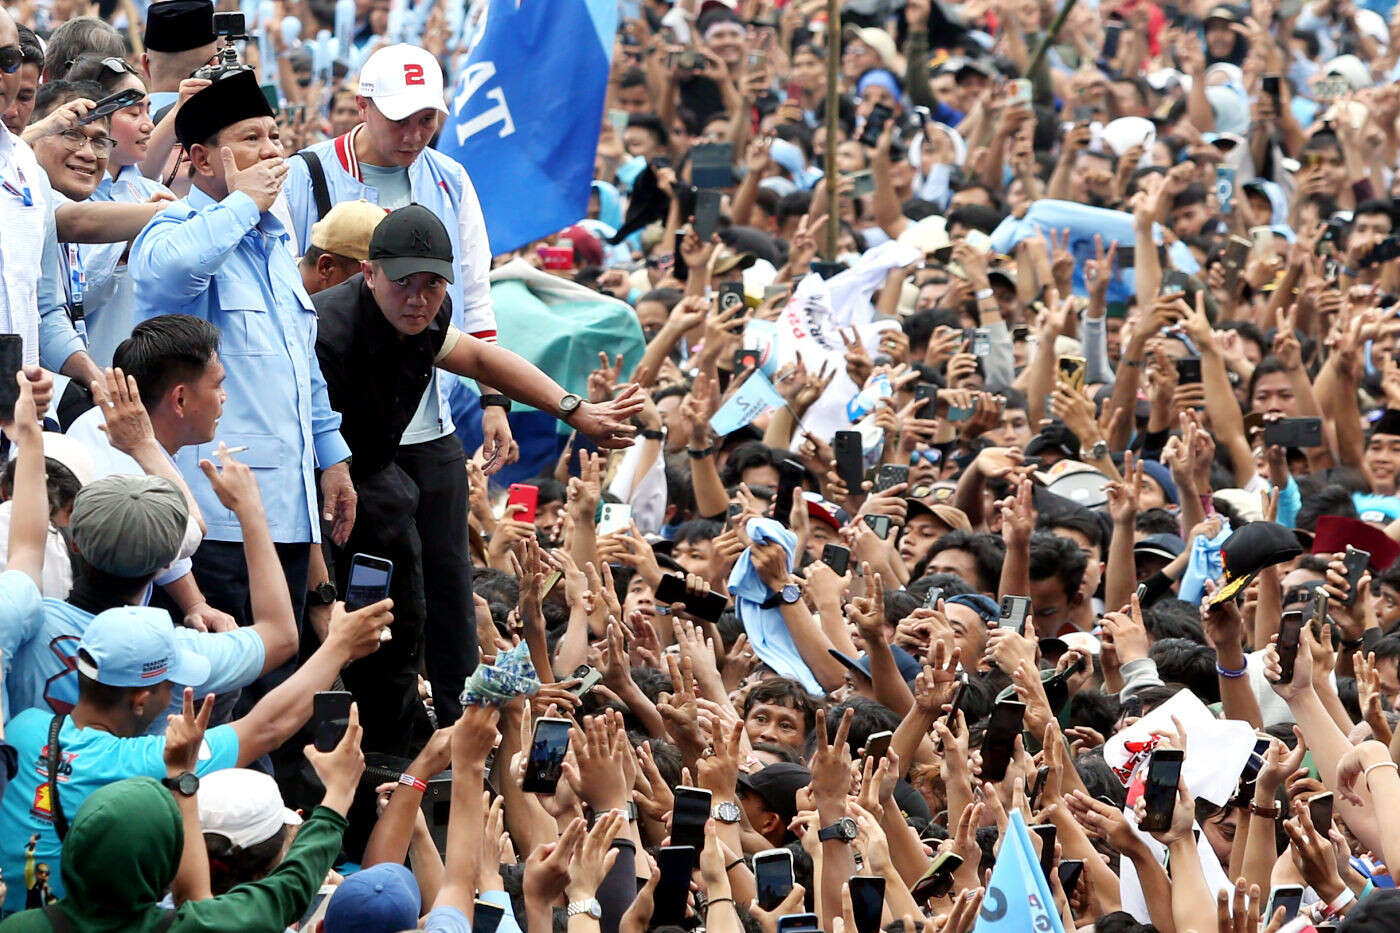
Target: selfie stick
(833, 77)
(1050, 35)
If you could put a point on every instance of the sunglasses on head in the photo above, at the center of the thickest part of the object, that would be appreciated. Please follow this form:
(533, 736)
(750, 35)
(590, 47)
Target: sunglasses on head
(11, 57)
(119, 66)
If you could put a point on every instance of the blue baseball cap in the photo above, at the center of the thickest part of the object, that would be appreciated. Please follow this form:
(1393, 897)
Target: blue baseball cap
(379, 899)
(909, 666)
(134, 646)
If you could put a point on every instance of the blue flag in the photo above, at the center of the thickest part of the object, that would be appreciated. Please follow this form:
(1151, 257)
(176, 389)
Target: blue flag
(1018, 899)
(754, 397)
(526, 110)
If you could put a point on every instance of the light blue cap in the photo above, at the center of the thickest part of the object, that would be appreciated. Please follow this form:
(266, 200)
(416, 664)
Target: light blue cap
(134, 646)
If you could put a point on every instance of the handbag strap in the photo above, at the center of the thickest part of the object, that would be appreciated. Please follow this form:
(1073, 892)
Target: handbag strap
(60, 822)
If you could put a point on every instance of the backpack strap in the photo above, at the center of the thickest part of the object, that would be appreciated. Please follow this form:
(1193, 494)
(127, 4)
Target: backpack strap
(60, 822)
(319, 189)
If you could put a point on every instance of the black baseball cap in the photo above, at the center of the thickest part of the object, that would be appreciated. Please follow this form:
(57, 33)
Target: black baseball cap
(409, 240)
(1054, 436)
(777, 785)
(1246, 552)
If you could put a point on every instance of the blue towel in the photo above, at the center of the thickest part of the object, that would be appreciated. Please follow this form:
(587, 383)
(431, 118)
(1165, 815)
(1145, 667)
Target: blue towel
(1205, 564)
(768, 633)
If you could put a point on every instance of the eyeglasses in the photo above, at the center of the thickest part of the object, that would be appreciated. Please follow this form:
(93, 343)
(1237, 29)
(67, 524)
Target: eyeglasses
(75, 140)
(11, 57)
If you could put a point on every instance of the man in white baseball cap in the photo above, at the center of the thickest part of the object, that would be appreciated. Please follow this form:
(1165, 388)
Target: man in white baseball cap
(402, 80)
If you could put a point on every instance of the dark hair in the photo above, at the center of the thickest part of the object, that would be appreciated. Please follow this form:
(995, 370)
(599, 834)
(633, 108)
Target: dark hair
(61, 485)
(101, 695)
(30, 49)
(230, 865)
(1182, 661)
(868, 717)
(988, 552)
(632, 77)
(1330, 500)
(78, 35)
(746, 457)
(1099, 779)
(951, 584)
(670, 297)
(90, 67)
(697, 529)
(1388, 648)
(1157, 522)
(1191, 194)
(53, 93)
(653, 125)
(165, 351)
(1057, 557)
(1247, 330)
(975, 216)
(781, 752)
(1080, 520)
(1174, 618)
(1098, 711)
(1268, 366)
(784, 691)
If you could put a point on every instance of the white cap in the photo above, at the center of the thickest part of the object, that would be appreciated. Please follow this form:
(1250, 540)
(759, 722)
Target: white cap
(243, 805)
(402, 80)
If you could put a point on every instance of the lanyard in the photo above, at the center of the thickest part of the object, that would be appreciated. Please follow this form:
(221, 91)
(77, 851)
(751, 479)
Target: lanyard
(77, 284)
(22, 191)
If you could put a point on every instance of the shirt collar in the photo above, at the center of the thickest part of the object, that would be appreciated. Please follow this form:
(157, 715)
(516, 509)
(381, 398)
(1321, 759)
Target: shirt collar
(267, 224)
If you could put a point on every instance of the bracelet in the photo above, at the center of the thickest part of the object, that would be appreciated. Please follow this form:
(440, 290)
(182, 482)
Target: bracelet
(497, 399)
(1366, 771)
(1345, 899)
(409, 780)
(1268, 813)
(652, 435)
(721, 900)
(1232, 675)
(699, 454)
(737, 861)
(1351, 645)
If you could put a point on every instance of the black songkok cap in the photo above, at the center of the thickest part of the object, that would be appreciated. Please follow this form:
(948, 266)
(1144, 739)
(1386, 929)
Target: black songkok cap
(225, 102)
(179, 25)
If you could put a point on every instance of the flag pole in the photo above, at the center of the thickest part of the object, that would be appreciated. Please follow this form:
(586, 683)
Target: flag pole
(1049, 36)
(833, 75)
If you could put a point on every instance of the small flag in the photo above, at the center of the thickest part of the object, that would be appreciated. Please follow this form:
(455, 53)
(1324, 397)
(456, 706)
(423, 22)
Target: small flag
(1018, 899)
(754, 397)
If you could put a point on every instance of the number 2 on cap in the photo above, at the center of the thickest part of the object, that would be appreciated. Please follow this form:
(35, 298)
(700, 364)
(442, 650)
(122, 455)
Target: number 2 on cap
(413, 74)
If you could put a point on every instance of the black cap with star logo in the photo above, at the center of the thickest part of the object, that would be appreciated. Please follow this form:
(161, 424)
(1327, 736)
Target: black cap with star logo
(411, 239)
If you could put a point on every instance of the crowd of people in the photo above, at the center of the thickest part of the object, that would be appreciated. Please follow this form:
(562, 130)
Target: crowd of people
(1001, 535)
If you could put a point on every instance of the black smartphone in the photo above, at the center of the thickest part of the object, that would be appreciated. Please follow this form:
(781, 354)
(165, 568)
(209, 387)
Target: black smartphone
(790, 476)
(772, 877)
(935, 593)
(875, 125)
(799, 923)
(111, 104)
(837, 557)
(660, 162)
(1290, 632)
(486, 917)
(674, 864)
(706, 222)
(709, 605)
(850, 458)
(688, 816)
(1014, 612)
(1174, 281)
(867, 902)
(679, 268)
(880, 524)
(927, 393)
(890, 474)
(330, 711)
(1384, 251)
(1070, 870)
(1272, 85)
(545, 763)
(1112, 35)
(11, 362)
(1042, 774)
(1188, 370)
(878, 744)
(588, 678)
(937, 879)
(1047, 833)
(998, 742)
(368, 582)
(1294, 432)
(1320, 809)
(959, 693)
(729, 295)
(712, 165)
(1356, 562)
(1289, 897)
(1159, 794)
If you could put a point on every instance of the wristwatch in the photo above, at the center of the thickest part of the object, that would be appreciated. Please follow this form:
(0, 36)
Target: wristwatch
(789, 594)
(843, 830)
(186, 785)
(727, 811)
(322, 594)
(629, 811)
(590, 907)
(568, 405)
(496, 399)
(1099, 450)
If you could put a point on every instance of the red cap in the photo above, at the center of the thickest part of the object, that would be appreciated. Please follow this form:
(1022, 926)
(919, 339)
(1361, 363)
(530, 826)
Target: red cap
(1334, 533)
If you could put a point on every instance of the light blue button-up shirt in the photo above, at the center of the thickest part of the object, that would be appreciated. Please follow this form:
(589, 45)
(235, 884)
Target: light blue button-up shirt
(229, 264)
(109, 303)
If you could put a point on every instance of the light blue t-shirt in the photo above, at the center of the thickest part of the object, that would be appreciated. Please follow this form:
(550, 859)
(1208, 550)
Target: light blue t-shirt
(447, 920)
(395, 192)
(39, 638)
(91, 759)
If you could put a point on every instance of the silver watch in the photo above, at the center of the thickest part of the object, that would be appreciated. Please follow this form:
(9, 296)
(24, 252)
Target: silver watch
(727, 811)
(1099, 450)
(590, 907)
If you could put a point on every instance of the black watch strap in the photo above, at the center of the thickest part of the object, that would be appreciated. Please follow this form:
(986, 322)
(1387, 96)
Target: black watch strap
(496, 399)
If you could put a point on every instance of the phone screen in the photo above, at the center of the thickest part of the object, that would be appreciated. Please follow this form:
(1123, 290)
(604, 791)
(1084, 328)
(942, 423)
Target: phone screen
(1356, 561)
(1320, 810)
(772, 876)
(369, 581)
(867, 902)
(1163, 773)
(486, 918)
(1070, 870)
(999, 740)
(692, 809)
(937, 879)
(880, 524)
(878, 744)
(1290, 632)
(11, 361)
(790, 474)
(675, 863)
(1047, 833)
(331, 714)
(1289, 897)
(546, 762)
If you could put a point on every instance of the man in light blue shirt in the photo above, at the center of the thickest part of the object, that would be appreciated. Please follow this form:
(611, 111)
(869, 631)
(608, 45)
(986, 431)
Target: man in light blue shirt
(219, 255)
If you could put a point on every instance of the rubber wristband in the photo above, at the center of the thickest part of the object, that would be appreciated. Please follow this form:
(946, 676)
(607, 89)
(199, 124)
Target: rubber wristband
(1366, 772)
(1232, 675)
(409, 780)
(721, 900)
(1342, 900)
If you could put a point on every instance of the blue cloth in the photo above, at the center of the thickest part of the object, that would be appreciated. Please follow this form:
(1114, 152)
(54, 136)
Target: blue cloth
(754, 397)
(229, 264)
(1204, 564)
(501, 899)
(92, 759)
(766, 628)
(1290, 503)
(1018, 896)
(525, 114)
(448, 919)
(109, 303)
(58, 338)
(39, 638)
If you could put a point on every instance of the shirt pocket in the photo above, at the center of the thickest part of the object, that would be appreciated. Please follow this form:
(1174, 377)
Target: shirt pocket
(246, 327)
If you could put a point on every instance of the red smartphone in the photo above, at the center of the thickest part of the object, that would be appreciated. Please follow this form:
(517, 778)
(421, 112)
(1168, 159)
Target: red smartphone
(526, 495)
(557, 257)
